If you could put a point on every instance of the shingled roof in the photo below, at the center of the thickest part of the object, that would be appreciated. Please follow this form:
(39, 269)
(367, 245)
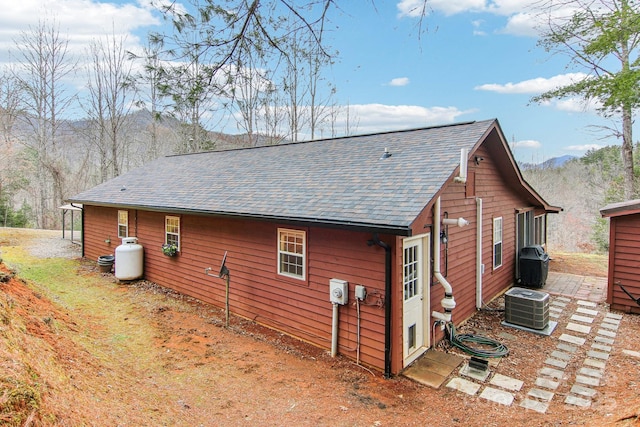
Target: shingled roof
(343, 181)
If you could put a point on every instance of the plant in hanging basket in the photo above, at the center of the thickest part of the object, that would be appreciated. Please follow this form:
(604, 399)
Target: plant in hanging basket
(169, 249)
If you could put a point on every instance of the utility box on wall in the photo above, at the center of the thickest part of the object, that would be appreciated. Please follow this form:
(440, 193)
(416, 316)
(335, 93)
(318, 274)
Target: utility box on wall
(338, 291)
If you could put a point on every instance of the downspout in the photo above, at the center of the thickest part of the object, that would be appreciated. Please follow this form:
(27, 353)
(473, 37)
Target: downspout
(387, 302)
(81, 226)
(479, 265)
(448, 302)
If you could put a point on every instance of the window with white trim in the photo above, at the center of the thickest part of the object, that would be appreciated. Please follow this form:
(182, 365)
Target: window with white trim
(172, 230)
(292, 253)
(539, 230)
(497, 242)
(123, 224)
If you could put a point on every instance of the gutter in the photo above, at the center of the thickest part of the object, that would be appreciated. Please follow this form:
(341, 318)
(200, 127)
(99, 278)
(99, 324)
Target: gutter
(387, 302)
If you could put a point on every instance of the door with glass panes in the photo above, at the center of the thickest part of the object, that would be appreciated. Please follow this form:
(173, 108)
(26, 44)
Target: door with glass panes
(415, 290)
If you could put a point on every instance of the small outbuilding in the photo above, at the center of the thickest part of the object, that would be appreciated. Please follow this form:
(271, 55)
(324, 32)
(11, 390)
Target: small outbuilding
(361, 244)
(624, 255)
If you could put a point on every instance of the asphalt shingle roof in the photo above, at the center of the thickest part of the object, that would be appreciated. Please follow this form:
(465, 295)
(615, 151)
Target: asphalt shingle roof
(334, 181)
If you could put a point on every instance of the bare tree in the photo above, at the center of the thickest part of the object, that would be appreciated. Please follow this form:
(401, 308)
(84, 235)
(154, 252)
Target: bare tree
(44, 64)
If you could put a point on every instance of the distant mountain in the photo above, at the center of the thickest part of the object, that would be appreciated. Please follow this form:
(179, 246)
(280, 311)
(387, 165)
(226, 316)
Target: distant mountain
(555, 162)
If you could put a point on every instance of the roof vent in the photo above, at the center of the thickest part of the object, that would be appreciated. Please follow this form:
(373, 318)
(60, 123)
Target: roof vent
(386, 154)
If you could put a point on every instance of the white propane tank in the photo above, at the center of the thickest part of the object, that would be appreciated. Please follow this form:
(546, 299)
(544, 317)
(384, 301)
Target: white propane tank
(129, 259)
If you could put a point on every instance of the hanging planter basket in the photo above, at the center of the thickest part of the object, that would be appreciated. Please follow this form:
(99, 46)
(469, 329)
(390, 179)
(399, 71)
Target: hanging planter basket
(170, 250)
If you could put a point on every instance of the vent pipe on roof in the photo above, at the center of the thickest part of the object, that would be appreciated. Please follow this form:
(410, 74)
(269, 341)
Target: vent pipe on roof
(462, 175)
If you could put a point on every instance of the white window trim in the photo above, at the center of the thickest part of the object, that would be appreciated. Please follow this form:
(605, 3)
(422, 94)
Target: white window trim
(303, 255)
(542, 231)
(125, 224)
(167, 232)
(498, 227)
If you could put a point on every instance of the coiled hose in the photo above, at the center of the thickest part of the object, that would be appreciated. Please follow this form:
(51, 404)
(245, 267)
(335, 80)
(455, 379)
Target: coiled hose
(490, 348)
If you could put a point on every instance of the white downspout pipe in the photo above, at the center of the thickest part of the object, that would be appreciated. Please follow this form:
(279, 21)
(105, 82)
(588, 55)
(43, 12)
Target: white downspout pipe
(479, 266)
(462, 175)
(448, 303)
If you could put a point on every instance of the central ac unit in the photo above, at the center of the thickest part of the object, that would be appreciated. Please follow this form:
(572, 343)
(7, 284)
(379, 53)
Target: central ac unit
(527, 308)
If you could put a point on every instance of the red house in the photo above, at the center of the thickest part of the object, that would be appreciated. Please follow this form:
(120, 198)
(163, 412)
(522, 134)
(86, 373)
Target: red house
(623, 291)
(398, 229)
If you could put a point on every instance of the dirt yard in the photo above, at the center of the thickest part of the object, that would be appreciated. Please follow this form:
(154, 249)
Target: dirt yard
(79, 349)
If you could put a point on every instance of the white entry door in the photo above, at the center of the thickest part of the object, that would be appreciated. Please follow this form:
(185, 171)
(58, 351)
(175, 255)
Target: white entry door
(415, 326)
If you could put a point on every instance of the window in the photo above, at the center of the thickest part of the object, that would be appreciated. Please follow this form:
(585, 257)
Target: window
(291, 253)
(172, 230)
(497, 242)
(540, 230)
(123, 224)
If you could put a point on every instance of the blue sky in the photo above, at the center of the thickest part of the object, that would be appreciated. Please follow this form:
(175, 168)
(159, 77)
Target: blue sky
(474, 60)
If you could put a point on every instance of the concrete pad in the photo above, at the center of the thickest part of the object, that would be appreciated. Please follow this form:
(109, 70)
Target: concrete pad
(587, 303)
(465, 386)
(560, 355)
(588, 311)
(595, 382)
(598, 355)
(572, 339)
(631, 353)
(540, 394)
(577, 401)
(556, 363)
(595, 373)
(606, 333)
(600, 364)
(575, 327)
(535, 405)
(583, 319)
(613, 316)
(583, 391)
(603, 340)
(498, 396)
(506, 382)
(612, 326)
(566, 347)
(553, 373)
(433, 368)
(547, 383)
(548, 330)
(601, 347)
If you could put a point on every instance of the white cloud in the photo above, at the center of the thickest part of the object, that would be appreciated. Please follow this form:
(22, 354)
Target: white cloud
(533, 86)
(584, 147)
(399, 81)
(527, 143)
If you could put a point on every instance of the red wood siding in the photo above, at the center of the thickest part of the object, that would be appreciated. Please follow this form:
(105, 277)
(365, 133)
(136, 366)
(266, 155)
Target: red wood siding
(257, 292)
(624, 262)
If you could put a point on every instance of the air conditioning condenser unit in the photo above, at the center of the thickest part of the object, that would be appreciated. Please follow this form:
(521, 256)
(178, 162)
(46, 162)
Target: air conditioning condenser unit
(526, 308)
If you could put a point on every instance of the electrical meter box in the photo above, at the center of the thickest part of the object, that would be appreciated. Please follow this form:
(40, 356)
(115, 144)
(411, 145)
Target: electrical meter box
(338, 291)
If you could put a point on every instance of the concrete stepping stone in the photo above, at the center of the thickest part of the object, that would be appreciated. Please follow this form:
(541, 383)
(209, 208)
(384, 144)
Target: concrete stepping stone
(598, 355)
(583, 391)
(582, 379)
(465, 386)
(575, 327)
(613, 316)
(588, 311)
(540, 394)
(558, 303)
(583, 319)
(506, 382)
(600, 364)
(566, 347)
(631, 353)
(554, 315)
(572, 339)
(612, 326)
(606, 333)
(498, 396)
(587, 303)
(603, 340)
(601, 347)
(556, 363)
(555, 308)
(577, 401)
(560, 355)
(611, 320)
(551, 372)
(596, 373)
(535, 405)
(547, 383)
